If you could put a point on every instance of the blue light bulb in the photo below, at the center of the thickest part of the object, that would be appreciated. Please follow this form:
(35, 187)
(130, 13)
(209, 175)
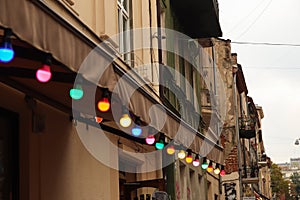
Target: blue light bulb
(6, 52)
(136, 131)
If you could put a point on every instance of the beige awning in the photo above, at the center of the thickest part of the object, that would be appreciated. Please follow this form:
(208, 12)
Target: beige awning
(47, 32)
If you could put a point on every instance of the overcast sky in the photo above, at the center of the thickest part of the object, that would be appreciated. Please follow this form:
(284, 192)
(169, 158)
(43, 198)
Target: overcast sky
(272, 72)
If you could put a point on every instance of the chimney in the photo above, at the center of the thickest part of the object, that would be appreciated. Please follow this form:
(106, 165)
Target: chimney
(234, 58)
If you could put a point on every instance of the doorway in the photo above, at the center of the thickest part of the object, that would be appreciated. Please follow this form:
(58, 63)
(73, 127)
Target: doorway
(9, 155)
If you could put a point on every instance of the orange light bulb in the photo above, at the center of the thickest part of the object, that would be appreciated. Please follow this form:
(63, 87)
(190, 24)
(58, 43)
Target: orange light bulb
(104, 104)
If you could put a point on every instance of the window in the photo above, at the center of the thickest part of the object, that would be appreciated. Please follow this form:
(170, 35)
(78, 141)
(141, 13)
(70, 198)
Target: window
(124, 26)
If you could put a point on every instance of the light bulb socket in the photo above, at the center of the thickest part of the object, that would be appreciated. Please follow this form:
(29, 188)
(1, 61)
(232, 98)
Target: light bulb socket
(105, 93)
(138, 121)
(48, 59)
(7, 35)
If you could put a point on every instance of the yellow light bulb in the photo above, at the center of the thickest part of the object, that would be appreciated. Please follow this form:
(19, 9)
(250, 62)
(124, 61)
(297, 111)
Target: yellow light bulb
(171, 150)
(189, 159)
(125, 120)
(181, 154)
(210, 168)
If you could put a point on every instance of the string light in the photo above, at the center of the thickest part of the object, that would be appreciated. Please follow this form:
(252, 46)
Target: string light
(196, 161)
(125, 120)
(76, 93)
(210, 167)
(150, 139)
(6, 51)
(98, 119)
(103, 103)
(181, 154)
(217, 169)
(170, 149)
(222, 172)
(44, 74)
(137, 130)
(160, 144)
(189, 157)
(204, 164)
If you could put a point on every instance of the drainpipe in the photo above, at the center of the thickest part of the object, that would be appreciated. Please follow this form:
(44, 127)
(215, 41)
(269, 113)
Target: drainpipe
(160, 70)
(159, 38)
(151, 40)
(237, 132)
(214, 66)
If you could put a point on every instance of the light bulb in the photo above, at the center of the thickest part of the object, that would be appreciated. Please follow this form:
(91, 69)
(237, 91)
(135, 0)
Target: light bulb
(210, 168)
(170, 150)
(98, 119)
(189, 157)
(77, 92)
(160, 144)
(125, 120)
(136, 131)
(44, 74)
(181, 154)
(204, 164)
(217, 169)
(6, 52)
(104, 104)
(150, 139)
(196, 161)
(222, 172)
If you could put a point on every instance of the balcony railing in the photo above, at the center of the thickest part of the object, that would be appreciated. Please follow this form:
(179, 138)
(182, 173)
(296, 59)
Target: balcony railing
(250, 175)
(247, 127)
(262, 160)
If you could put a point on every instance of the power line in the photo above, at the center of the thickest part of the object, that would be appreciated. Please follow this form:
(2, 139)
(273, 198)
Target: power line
(266, 43)
(244, 18)
(255, 20)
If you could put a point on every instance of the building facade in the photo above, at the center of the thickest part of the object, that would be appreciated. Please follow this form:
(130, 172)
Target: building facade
(58, 146)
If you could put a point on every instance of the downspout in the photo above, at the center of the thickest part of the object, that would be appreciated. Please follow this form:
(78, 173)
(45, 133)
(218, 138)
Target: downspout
(160, 77)
(159, 38)
(214, 66)
(151, 40)
(238, 134)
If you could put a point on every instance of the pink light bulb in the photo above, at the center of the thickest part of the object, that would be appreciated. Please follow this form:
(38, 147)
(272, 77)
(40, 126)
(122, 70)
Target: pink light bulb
(43, 74)
(150, 139)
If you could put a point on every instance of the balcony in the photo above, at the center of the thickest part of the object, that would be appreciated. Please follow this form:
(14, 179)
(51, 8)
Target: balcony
(247, 127)
(263, 160)
(199, 18)
(250, 175)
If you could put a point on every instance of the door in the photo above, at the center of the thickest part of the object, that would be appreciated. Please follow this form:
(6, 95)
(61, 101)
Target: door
(9, 155)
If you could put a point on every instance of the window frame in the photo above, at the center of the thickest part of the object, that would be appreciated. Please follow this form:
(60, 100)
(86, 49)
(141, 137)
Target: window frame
(123, 28)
